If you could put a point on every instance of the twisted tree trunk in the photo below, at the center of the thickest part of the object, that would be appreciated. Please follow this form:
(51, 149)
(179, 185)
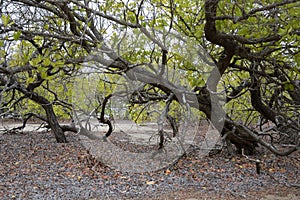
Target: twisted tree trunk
(54, 125)
(51, 117)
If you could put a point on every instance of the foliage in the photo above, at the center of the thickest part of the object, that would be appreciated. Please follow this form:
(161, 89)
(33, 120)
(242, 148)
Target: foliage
(246, 54)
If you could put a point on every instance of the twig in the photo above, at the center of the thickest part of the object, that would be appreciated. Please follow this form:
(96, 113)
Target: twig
(257, 162)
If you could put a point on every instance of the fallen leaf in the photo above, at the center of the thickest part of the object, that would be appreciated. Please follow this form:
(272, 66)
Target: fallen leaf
(272, 170)
(105, 177)
(150, 182)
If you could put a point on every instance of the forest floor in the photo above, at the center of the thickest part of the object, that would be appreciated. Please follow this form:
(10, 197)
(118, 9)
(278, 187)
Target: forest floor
(34, 166)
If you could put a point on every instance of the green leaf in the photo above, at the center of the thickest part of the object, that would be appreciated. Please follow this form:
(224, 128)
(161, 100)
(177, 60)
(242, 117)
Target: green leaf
(44, 75)
(289, 29)
(131, 17)
(30, 80)
(59, 22)
(46, 26)
(31, 62)
(5, 19)
(58, 64)
(47, 62)
(36, 61)
(288, 86)
(17, 35)
(2, 53)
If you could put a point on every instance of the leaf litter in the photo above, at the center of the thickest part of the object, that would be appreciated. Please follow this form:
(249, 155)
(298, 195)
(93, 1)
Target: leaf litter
(34, 166)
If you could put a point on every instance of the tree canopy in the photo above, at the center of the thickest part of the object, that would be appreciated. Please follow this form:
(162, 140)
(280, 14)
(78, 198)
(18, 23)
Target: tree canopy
(245, 54)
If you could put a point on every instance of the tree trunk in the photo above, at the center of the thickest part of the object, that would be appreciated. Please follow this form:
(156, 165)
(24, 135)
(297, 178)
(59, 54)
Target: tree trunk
(208, 104)
(51, 117)
(54, 125)
(241, 140)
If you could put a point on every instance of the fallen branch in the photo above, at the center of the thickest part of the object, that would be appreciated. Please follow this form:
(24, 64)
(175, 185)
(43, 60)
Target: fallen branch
(257, 162)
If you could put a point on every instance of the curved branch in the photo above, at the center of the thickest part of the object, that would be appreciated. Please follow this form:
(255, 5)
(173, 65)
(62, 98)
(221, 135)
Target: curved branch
(103, 120)
(264, 143)
(256, 102)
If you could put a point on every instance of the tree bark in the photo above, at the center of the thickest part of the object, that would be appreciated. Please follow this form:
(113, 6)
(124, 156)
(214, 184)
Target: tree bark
(51, 117)
(241, 139)
(54, 125)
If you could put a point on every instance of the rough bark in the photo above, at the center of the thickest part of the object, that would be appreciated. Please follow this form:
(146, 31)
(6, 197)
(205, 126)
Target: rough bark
(54, 125)
(241, 139)
(51, 117)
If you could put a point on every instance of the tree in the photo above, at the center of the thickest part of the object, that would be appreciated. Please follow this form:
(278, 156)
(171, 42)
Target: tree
(263, 46)
(255, 46)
